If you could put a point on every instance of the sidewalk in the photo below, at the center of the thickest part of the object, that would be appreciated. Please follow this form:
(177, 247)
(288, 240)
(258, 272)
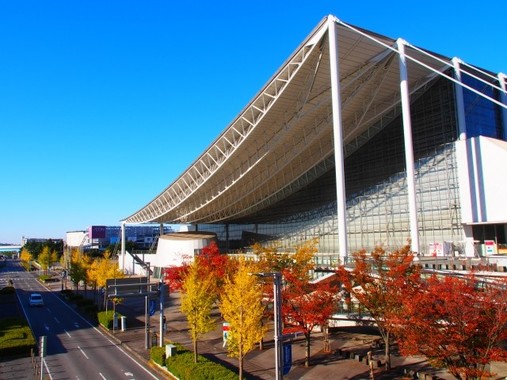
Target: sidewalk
(261, 364)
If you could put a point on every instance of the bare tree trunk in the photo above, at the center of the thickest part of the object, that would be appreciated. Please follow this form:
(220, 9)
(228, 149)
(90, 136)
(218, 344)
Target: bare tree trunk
(240, 364)
(327, 345)
(387, 351)
(307, 356)
(195, 350)
(370, 363)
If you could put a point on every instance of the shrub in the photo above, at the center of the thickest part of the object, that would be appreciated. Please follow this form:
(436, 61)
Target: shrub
(106, 318)
(182, 366)
(16, 338)
(90, 309)
(157, 354)
(8, 290)
(74, 297)
(67, 293)
(83, 302)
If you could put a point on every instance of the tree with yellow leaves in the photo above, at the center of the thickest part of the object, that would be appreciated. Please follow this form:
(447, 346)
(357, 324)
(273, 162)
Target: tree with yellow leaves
(26, 257)
(102, 269)
(241, 307)
(79, 263)
(44, 259)
(300, 263)
(197, 300)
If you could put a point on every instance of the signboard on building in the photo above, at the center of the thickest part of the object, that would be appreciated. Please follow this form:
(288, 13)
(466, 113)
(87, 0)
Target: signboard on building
(97, 232)
(489, 247)
(436, 249)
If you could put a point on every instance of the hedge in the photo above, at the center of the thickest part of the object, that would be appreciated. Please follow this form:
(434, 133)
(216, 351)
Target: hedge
(183, 367)
(16, 338)
(106, 318)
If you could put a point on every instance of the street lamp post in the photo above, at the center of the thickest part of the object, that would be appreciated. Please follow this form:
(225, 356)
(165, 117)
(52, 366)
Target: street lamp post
(277, 301)
(162, 290)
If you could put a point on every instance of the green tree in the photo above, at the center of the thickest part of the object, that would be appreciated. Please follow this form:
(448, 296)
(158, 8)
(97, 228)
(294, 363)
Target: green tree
(197, 300)
(241, 307)
(36, 247)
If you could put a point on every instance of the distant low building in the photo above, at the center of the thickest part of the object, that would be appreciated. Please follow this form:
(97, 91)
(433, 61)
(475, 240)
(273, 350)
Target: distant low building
(25, 240)
(100, 237)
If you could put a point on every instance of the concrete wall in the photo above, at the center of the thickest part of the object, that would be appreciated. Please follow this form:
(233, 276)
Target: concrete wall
(482, 176)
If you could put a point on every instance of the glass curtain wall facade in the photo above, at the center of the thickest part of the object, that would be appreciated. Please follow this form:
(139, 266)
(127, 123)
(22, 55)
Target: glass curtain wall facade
(377, 202)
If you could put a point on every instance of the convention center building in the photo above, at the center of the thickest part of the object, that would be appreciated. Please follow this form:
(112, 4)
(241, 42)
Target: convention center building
(357, 140)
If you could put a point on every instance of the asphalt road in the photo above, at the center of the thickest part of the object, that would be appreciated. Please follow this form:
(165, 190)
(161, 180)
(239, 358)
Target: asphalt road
(75, 348)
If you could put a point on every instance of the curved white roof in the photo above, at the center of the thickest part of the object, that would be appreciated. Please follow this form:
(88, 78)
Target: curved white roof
(282, 140)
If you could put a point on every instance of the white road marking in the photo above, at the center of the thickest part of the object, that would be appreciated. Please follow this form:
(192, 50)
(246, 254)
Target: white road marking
(106, 337)
(47, 370)
(83, 352)
(66, 332)
(56, 319)
(101, 375)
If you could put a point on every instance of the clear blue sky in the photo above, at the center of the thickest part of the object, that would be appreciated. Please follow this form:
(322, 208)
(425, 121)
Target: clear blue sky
(104, 103)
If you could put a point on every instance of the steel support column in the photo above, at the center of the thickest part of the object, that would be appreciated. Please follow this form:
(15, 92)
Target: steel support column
(502, 78)
(123, 249)
(460, 103)
(462, 129)
(341, 200)
(409, 148)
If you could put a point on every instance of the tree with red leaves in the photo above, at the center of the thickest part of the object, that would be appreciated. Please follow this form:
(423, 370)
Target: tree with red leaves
(210, 261)
(174, 276)
(307, 305)
(456, 324)
(380, 281)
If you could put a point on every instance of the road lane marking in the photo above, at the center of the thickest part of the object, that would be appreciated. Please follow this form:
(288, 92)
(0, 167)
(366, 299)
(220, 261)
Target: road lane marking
(101, 375)
(118, 346)
(47, 370)
(86, 356)
(56, 319)
(66, 332)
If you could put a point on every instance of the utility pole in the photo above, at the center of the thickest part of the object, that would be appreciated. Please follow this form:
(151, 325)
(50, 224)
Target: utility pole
(278, 336)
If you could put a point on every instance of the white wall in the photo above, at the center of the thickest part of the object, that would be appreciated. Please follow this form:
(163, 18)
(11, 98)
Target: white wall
(172, 250)
(482, 171)
(175, 252)
(74, 238)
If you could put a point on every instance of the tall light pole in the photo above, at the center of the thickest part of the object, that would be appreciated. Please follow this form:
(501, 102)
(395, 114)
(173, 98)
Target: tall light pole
(277, 301)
